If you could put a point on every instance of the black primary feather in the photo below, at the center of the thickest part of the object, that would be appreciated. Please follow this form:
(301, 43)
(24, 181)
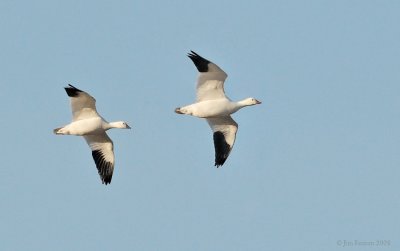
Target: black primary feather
(200, 62)
(222, 149)
(72, 91)
(103, 167)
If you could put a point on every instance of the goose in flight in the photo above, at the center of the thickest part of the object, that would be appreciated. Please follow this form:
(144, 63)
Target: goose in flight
(213, 105)
(88, 123)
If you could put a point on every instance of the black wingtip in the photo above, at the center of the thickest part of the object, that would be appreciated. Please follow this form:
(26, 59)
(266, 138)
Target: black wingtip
(222, 149)
(104, 168)
(107, 180)
(200, 62)
(72, 91)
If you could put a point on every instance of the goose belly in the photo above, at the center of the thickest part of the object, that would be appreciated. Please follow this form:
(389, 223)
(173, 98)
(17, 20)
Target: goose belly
(213, 108)
(84, 126)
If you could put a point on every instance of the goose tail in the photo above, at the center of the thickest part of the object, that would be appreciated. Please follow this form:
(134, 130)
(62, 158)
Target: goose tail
(56, 131)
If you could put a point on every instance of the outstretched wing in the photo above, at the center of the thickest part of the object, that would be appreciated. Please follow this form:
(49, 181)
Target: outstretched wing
(224, 129)
(82, 104)
(210, 83)
(103, 155)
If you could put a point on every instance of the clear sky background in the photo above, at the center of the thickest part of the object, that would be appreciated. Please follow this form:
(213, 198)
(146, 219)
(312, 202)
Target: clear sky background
(318, 162)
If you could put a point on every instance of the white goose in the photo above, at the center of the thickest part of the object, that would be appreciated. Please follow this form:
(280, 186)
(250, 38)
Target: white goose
(88, 123)
(213, 105)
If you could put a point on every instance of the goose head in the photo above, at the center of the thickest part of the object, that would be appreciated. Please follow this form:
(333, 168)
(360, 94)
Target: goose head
(250, 101)
(120, 125)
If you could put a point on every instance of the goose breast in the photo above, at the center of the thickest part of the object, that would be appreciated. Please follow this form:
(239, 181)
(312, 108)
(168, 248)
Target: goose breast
(85, 126)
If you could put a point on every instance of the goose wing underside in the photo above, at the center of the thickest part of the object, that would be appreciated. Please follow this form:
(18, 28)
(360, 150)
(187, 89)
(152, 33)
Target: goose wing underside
(224, 135)
(103, 155)
(82, 104)
(210, 82)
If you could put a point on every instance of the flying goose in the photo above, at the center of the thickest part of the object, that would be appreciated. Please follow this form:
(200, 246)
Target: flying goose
(213, 105)
(88, 123)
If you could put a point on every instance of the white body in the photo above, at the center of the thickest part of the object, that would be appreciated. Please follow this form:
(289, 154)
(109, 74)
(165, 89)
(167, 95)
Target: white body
(84, 127)
(211, 108)
(88, 123)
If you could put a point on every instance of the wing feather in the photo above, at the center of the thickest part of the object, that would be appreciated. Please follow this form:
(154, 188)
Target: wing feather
(82, 104)
(224, 136)
(210, 82)
(103, 155)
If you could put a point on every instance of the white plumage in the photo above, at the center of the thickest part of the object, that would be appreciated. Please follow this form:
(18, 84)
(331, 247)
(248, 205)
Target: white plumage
(213, 105)
(88, 123)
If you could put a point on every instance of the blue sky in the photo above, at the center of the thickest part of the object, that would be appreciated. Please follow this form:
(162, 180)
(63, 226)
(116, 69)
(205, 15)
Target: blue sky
(316, 163)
